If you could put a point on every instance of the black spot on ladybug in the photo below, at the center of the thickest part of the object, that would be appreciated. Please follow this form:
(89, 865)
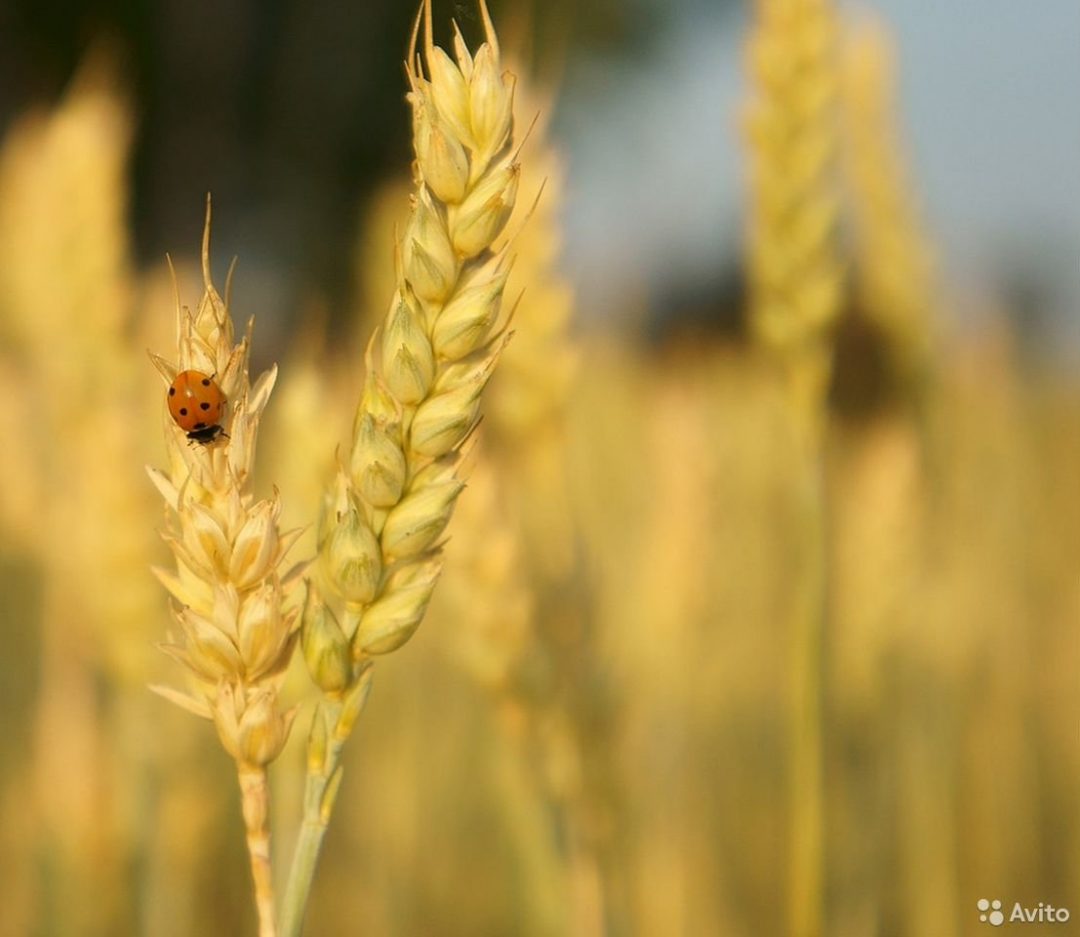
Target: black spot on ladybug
(204, 406)
(206, 382)
(172, 391)
(183, 411)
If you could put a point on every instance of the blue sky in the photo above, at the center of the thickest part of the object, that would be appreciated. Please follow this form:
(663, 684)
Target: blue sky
(989, 90)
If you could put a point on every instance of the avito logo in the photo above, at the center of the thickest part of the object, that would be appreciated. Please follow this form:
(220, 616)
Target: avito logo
(990, 912)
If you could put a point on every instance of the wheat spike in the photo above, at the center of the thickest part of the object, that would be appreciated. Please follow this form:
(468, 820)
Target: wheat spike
(794, 268)
(796, 282)
(71, 495)
(894, 260)
(236, 636)
(380, 532)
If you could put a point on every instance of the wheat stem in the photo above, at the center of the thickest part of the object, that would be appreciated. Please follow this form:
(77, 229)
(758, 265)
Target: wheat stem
(323, 778)
(807, 635)
(305, 857)
(255, 799)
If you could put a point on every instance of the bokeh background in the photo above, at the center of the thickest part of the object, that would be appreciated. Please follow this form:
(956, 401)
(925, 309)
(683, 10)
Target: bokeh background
(590, 734)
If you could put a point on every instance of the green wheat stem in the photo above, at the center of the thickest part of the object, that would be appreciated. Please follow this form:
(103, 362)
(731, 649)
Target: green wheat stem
(806, 703)
(323, 777)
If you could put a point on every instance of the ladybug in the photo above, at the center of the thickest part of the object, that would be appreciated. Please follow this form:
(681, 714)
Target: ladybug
(197, 405)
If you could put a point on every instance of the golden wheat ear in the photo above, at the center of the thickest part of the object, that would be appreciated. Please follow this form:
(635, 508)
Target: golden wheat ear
(381, 529)
(796, 284)
(235, 636)
(894, 258)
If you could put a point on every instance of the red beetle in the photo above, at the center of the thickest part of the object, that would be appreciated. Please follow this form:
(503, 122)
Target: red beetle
(197, 405)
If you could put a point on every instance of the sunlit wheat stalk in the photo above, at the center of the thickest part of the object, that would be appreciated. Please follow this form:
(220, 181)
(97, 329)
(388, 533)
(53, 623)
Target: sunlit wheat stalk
(427, 364)
(236, 638)
(68, 498)
(894, 256)
(515, 552)
(896, 282)
(795, 281)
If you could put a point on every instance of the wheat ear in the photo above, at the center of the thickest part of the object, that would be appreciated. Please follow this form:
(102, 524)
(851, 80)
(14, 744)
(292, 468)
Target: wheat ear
(427, 364)
(796, 282)
(67, 498)
(236, 638)
(894, 256)
(517, 550)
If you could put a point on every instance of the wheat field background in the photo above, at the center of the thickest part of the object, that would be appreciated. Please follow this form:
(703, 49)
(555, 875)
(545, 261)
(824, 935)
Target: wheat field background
(758, 617)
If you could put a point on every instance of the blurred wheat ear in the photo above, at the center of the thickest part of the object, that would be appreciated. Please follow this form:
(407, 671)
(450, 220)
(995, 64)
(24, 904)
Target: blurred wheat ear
(515, 553)
(796, 282)
(70, 501)
(895, 282)
(895, 269)
(384, 515)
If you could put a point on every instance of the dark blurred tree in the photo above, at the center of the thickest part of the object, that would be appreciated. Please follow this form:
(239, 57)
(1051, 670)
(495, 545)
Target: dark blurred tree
(290, 112)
